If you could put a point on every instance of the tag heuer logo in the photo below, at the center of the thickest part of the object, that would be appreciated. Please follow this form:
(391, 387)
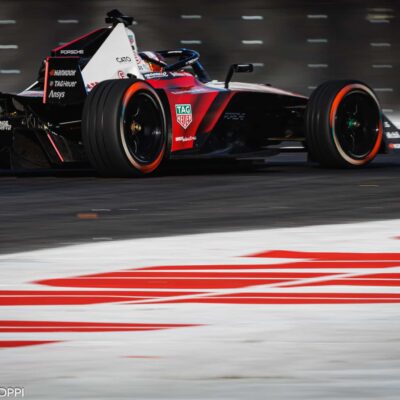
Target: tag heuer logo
(183, 114)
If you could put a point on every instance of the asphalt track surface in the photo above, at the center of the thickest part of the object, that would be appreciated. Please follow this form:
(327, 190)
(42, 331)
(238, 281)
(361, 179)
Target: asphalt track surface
(51, 209)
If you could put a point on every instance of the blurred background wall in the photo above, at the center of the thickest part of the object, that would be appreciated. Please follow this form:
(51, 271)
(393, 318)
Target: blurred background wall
(295, 44)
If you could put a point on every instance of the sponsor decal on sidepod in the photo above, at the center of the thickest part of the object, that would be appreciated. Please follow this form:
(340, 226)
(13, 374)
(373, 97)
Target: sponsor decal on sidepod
(68, 84)
(183, 115)
(56, 95)
(62, 72)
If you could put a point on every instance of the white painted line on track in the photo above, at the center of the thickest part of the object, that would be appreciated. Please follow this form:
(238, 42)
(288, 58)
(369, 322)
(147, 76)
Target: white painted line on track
(7, 21)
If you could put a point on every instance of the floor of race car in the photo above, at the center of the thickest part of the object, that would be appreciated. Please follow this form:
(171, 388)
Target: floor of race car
(278, 283)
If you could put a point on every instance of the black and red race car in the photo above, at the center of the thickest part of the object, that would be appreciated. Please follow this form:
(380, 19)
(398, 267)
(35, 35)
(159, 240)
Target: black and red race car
(100, 101)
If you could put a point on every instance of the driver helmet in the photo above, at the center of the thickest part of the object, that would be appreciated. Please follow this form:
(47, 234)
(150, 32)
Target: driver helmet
(144, 65)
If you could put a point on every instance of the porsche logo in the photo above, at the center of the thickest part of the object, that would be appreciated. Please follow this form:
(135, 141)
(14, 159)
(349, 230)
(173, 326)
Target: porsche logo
(183, 115)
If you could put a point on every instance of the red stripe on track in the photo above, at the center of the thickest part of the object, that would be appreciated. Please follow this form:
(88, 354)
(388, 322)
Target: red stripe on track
(214, 277)
(328, 256)
(78, 329)
(77, 297)
(60, 326)
(383, 276)
(159, 283)
(83, 323)
(285, 301)
(60, 300)
(124, 293)
(202, 275)
(297, 298)
(312, 295)
(22, 343)
(335, 264)
(349, 282)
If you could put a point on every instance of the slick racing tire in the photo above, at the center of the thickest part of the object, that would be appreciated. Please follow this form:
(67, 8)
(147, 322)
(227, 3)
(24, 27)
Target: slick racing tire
(124, 129)
(344, 126)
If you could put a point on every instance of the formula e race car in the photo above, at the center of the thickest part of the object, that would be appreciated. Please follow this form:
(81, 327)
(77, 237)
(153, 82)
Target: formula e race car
(99, 101)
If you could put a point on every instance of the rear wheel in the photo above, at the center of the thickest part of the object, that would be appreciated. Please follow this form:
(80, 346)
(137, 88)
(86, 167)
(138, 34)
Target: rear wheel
(344, 125)
(124, 129)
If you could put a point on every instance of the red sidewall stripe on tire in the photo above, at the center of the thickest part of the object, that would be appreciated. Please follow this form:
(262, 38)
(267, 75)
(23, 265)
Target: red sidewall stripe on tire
(335, 104)
(144, 168)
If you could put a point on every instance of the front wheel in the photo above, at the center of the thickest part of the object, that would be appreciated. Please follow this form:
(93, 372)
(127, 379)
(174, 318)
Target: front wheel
(344, 125)
(124, 128)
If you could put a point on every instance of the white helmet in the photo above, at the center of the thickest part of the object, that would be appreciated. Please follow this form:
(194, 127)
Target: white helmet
(142, 65)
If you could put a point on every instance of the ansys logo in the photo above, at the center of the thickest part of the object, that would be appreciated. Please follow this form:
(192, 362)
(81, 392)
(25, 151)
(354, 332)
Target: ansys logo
(183, 114)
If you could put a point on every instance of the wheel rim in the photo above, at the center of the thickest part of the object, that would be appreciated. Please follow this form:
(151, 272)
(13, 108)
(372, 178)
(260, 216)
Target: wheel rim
(357, 127)
(143, 129)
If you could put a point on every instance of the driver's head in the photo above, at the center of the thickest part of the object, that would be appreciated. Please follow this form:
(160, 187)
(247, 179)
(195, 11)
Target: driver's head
(151, 63)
